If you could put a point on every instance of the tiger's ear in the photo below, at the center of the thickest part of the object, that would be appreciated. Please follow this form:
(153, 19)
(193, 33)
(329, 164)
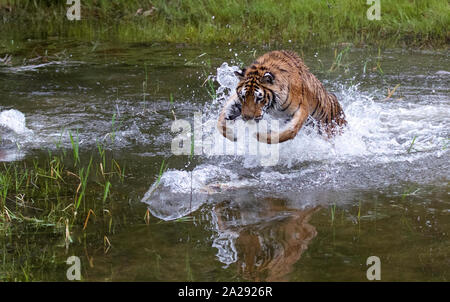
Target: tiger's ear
(240, 74)
(267, 78)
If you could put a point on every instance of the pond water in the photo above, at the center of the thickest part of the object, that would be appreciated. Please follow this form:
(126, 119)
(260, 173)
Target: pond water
(380, 189)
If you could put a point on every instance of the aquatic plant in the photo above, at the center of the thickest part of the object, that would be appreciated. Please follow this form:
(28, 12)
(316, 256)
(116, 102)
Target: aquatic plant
(47, 192)
(412, 144)
(75, 148)
(337, 63)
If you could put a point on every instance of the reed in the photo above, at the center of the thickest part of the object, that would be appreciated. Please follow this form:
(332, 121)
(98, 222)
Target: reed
(75, 147)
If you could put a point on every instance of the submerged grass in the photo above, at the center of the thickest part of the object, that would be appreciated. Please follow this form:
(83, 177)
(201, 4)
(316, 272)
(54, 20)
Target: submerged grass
(403, 22)
(49, 192)
(54, 198)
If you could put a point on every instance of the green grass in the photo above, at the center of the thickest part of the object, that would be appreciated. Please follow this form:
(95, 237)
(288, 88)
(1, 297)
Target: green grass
(51, 200)
(211, 88)
(333, 212)
(171, 99)
(83, 176)
(412, 144)
(337, 63)
(403, 22)
(47, 192)
(106, 192)
(75, 147)
(162, 169)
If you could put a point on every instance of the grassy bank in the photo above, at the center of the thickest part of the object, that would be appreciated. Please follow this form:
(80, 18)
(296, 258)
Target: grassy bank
(412, 23)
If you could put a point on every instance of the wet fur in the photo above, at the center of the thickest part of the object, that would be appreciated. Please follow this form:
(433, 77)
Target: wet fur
(287, 86)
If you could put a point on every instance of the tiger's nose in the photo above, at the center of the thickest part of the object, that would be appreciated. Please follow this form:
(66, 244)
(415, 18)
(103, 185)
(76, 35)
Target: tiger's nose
(246, 117)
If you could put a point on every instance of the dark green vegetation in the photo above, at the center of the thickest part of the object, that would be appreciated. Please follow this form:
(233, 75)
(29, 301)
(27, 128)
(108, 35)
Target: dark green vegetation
(58, 195)
(403, 22)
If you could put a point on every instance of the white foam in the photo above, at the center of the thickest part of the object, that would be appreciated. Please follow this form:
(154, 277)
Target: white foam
(167, 198)
(14, 120)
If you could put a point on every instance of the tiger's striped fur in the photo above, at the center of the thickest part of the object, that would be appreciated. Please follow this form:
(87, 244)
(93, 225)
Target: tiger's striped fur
(280, 82)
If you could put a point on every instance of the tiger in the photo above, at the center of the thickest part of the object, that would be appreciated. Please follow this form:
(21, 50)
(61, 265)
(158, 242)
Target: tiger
(279, 83)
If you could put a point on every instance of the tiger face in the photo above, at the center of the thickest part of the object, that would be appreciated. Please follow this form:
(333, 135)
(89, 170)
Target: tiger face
(254, 94)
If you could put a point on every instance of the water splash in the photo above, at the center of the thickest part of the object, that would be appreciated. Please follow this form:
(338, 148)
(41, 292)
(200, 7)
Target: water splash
(14, 120)
(13, 133)
(374, 150)
(226, 79)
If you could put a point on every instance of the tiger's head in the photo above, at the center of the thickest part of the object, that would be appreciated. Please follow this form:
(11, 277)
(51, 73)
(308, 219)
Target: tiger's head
(254, 93)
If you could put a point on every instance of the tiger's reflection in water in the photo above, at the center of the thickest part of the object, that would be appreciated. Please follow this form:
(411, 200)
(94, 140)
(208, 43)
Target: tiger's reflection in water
(266, 242)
